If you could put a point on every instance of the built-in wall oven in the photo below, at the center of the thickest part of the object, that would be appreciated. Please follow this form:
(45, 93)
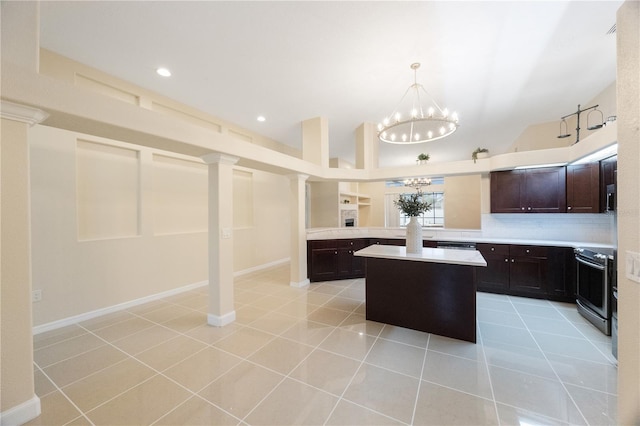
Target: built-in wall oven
(594, 284)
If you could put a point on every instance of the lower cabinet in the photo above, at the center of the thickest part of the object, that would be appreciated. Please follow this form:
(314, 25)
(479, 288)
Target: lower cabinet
(529, 271)
(519, 270)
(334, 260)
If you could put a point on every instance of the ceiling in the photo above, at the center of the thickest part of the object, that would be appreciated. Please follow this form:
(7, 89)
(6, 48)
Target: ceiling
(500, 65)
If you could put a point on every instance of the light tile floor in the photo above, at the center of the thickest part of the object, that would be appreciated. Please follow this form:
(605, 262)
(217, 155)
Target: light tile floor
(308, 356)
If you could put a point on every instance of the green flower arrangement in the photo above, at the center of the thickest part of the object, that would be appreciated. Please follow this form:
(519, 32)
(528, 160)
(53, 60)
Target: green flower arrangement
(412, 204)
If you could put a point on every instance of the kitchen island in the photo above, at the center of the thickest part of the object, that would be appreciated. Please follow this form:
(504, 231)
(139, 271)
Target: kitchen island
(433, 291)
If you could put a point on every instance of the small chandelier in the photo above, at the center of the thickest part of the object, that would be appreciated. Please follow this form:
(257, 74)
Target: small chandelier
(417, 183)
(421, 123)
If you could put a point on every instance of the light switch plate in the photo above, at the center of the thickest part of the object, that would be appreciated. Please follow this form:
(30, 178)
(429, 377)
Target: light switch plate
(632, 266)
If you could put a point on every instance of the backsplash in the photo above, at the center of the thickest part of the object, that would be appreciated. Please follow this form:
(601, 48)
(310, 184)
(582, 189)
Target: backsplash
(577, 228)
(588, 228)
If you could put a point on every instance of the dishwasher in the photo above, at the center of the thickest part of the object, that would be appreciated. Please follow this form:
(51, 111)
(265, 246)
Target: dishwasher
(456, 245)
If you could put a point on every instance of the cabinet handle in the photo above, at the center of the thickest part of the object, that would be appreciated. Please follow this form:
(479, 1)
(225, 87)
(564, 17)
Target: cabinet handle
(335, 252)
(523, 208)
(569, 208)
(506, 260)
(527, 250)
(351, 242)
(350, 252)
(529, 208)
(513, 260)
(493, 249)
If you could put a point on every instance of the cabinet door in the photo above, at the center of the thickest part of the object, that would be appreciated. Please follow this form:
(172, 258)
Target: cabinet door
(345, 261)
(583, 188)
(358, 263)
(562, 276)
(350, 266)
(324, 264)
(546, 190)
(507, 191)
(528, 269)
(495, 276)
(608, 168)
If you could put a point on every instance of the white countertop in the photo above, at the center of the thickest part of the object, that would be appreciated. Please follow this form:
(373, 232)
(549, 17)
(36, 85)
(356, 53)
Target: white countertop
(434, 255)
(470, 236)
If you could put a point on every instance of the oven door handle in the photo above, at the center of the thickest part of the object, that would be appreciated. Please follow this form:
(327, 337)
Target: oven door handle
(590, 264)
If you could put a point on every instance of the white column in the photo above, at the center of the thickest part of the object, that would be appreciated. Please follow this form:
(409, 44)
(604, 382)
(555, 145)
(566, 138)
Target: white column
(628, 208)
(315, 141)
(18, 401)
(367, 145)
(221, 309)
(298, 231)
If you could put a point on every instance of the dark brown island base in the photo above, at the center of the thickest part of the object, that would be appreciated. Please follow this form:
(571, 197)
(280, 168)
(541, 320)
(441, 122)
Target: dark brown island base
(434, 291)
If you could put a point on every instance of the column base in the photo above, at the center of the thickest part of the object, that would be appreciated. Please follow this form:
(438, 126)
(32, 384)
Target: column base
(300, 284)
(221, 321)
(22, 413)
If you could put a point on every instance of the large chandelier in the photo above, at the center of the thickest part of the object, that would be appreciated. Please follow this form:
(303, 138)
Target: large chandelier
(421, 123)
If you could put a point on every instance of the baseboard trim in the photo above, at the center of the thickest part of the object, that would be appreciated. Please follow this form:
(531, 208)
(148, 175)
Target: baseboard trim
(110, 309)
(98, 312)
(221, 321)
(261, 267)
(22, 413)
(300, 284)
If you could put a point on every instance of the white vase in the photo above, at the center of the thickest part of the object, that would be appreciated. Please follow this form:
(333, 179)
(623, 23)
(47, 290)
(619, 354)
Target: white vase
(414, 236)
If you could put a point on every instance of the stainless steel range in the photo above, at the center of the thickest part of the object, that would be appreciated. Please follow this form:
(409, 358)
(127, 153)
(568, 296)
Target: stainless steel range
(594, 285)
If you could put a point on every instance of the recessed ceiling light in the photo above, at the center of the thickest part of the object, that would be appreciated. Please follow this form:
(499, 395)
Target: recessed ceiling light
(163, 72)
(261, 118)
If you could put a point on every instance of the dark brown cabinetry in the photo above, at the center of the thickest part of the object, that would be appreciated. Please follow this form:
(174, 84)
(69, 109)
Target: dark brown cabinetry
(541, 190)
(495, 277)
(334, 260)
(583, 188)
(608, 168)
(322, 260)
(350, 266)
(387, 241)
(530, 271)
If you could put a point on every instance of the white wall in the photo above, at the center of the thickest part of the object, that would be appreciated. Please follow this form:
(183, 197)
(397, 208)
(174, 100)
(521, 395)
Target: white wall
(545, 135)
(628, 45)
(113, 222)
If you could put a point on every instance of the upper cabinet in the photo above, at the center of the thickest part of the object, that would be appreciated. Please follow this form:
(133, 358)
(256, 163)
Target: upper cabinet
(583, 188)
(608, 168)
(541, 190)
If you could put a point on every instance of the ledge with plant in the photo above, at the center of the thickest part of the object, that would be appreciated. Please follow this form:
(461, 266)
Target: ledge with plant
(478, 150)
(423, 158)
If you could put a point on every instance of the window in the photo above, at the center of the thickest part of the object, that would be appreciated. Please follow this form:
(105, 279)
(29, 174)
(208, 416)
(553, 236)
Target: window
(434, 217)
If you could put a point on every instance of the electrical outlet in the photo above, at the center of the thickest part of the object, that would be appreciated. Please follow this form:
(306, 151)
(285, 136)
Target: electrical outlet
(36, 295)
(226, 233)
(633, 266)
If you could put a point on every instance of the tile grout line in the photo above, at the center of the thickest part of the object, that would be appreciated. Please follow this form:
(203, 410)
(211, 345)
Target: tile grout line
(82, 413)
(486, 366)
(424, 362)
(586, 338)
(552, 369)
(158, 373)
(293, 369)
(351, 381)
